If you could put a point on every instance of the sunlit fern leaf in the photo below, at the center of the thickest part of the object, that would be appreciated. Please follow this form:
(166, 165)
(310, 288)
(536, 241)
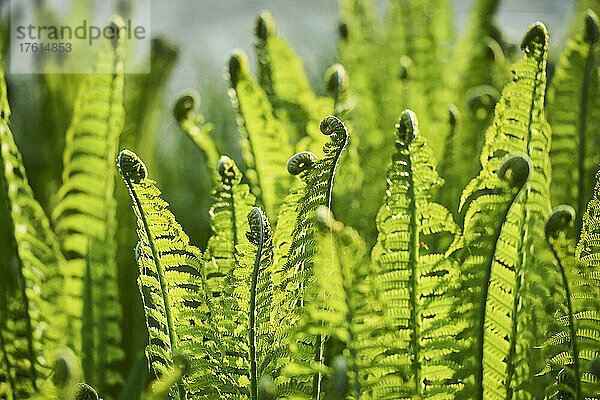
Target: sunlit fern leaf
(282, 77)
(264, 139)
(574, 114)
(232, 201)
(574, 345)
(193, 124)
(487, 284)
(85, 219)
(335, 304)
(409, 281)
(503, 311)
(173, 288)
(295, 269)
(30, 284)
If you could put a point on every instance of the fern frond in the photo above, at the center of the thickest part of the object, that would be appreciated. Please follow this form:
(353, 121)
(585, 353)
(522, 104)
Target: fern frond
(194, 126)
(511, 272)
(85, 220)
(30, 284)
(173, 288)
(573, 346)
(295, 268)
(409, 281)
(282, 77)
(574, 114)
(488, 279)
(335, 306)
(232, 201)
(264, 139)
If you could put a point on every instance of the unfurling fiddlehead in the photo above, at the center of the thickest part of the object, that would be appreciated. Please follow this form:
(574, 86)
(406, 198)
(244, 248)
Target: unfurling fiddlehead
(561, 218)
(301, 162)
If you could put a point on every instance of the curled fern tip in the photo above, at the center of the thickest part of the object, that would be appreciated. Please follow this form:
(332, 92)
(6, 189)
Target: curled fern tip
(300, 162)
(515, 169)
(536, 40)
(238, 63)
(227, 169)
(561, 217)
(332, 125)
(406, 127)
(186, 104)
(591, 27)
(265, 26)
(259, 226)
(131, 166)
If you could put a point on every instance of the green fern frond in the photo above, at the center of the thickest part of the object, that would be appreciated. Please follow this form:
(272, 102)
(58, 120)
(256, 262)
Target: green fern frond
(85, 220)
(194, 126)
(319, 178)
(295, 269)
(264, 139)
(173, 288)
(232, 201)
(334, 308)
(410, 281)
(574, 114)
(30, 283)
(282, 77)
(488, 278)
(573, 346)
(504, 275)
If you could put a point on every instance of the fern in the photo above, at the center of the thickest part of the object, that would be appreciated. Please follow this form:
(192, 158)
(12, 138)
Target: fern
(295, 268)
(30, 282)
(282, 77)
(573, 347)
(263, 138)
(173, 287)
(335, 305)
(85, 220)
(193, 124)
(573, 109)
(408, 280)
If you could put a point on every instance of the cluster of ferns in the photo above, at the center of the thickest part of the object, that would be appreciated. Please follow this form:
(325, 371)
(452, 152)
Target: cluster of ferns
(366, 252)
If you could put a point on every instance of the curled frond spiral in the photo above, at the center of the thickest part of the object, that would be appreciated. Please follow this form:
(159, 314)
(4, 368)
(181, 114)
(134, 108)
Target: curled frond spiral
(301, 162)
(265, 26)
(337, 79)
(535, 42)
(185, 105)
(131, 166)
(238, 62)
(406, 127)
(227, 169)
(515, 169)
(83, 391)
(259, 226)
(561, 217)
(332, 125)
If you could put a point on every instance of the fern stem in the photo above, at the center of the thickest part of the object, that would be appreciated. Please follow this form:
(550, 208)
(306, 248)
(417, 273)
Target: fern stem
(161, 276)
(252, 330)
(581, 200)
(572, 332)
(414, 260)
(485, 289)
(349, 321)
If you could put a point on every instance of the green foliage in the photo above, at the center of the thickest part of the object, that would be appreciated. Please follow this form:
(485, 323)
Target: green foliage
(398, 301)
(85, 221)
(574, 110)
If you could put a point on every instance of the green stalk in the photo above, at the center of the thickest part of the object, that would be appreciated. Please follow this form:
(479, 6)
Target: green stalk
(252, 330)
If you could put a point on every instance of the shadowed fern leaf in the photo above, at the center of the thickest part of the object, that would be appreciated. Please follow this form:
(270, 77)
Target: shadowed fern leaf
(85, 220)
(264, 139)
(573, 348)
(173, 288)
(574, 114)
(30, 284)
